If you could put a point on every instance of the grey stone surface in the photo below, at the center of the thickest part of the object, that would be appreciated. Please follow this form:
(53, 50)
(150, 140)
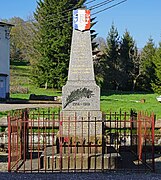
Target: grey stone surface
(81, 97)
(81, 116)
(82, 125)
(81, 91)
(81, 63)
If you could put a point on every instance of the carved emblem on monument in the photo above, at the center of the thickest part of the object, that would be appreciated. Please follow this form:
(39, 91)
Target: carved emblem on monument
(78, 94)
(81, 19)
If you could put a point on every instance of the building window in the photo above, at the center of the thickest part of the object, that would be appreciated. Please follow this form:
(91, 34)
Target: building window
(7, 34)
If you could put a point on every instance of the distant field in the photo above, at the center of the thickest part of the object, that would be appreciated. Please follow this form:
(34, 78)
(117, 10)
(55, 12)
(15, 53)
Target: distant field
(110, 101)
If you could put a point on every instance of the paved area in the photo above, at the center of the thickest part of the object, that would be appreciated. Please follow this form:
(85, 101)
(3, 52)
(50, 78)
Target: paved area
(8, 107)
(82, 176)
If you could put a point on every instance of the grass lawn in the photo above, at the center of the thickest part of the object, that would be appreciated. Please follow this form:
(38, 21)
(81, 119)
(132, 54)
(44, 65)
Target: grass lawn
(110, 101)
(127, 101)
(20, 83)
(115, 101)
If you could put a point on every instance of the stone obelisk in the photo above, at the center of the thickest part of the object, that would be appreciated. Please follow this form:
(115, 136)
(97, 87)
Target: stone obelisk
(81, 95)
(81, 92)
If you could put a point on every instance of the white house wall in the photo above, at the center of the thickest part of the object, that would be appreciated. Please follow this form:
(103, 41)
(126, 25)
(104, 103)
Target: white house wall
(5, 54)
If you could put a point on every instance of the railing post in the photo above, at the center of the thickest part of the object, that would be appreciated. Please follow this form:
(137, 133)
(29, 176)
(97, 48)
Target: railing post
(153, 136)
(9, 142)
(103, 144)
(139, 132)
(131, 128)
(60, 141)
(27, 129)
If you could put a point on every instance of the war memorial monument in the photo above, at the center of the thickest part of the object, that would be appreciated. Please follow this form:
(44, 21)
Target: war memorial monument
(81, 119)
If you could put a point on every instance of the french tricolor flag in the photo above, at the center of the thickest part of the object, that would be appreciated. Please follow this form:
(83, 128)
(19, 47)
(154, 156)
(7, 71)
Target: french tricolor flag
(81, 19)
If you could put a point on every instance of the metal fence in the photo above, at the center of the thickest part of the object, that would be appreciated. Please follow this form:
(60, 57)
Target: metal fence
(43, 141)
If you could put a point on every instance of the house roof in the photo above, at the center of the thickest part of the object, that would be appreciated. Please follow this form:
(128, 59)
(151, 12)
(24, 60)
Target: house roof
(5, 24)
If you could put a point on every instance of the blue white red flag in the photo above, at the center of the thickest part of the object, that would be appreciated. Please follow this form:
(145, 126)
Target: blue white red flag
(81, 19)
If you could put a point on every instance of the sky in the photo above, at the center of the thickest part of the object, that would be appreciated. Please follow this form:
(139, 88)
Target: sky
(140, 17)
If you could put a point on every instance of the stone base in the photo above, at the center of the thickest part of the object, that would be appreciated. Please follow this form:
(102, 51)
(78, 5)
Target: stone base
(80, 162)
(81, 127)
(82, 115)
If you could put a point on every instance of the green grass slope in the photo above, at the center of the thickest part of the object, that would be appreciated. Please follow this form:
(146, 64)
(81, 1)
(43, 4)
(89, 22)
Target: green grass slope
(21, 87)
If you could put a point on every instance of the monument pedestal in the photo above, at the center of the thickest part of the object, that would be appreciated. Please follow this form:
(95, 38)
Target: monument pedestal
(83, 128)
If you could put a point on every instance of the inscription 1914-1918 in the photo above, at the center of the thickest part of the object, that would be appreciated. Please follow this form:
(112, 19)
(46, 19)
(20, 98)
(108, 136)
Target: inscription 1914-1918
(81, 104)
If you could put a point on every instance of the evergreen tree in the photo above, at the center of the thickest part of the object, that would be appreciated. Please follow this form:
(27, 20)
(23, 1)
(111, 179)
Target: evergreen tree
(112, 69)
(52, 41)
(156, 84)
(97, 61)
(129, 62)
(99, 67)
(147, 66)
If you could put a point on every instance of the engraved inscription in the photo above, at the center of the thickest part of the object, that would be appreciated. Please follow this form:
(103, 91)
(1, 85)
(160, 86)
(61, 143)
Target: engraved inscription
(81, 104)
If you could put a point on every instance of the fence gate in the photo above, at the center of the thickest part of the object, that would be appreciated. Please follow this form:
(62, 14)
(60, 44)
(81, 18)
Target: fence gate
(17, 139)
(37, 142)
